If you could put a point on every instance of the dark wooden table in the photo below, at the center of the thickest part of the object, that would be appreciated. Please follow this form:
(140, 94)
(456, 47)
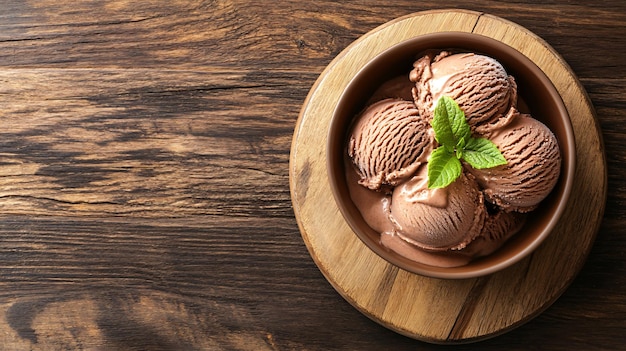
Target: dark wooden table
(144, 191)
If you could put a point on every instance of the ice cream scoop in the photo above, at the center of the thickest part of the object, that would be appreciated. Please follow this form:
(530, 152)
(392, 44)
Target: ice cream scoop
(478, 83)
(532, 169)
(499, 227)
(438, 219)
(389, 142)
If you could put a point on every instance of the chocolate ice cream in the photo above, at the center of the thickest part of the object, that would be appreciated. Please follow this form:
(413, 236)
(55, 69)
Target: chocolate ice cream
(478, 83)
(532, 169)
(388, 143)
(438, 219)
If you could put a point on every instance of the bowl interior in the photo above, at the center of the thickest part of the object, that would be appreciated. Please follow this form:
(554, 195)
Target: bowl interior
(534, 89)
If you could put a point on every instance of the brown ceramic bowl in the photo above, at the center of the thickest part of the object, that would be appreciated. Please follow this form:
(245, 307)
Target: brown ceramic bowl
(534, 88)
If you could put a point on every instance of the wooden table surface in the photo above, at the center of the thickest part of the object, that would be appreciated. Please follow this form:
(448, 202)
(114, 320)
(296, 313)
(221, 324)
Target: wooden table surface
(144, 179)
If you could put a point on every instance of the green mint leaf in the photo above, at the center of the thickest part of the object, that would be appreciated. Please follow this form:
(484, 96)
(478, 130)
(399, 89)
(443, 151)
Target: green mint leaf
(441, 126)
(459, 153)
(481, 153)
(453, 134)
(449, 123)
(461, 143)
(443, 168)
(460, 147)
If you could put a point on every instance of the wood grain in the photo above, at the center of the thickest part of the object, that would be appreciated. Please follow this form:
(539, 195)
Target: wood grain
(144, 175)
(139, 157)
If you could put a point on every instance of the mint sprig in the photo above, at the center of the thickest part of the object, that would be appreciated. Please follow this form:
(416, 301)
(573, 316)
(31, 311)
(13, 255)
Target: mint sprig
(456, 143)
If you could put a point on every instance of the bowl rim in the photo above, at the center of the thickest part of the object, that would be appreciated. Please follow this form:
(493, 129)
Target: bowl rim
(567, 168)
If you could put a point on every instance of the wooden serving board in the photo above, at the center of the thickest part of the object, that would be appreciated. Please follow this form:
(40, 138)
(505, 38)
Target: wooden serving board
(428, 309)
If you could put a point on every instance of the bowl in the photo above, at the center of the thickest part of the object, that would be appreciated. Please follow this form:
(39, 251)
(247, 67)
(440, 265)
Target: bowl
(535, 91)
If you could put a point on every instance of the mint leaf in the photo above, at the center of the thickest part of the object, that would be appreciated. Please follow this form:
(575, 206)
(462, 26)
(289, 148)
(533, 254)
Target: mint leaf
(461, 143)
(482, 153)
(460, 147)
(453, 134)
(441, 125)
(443, 168)
(449, 123)
(459, 153)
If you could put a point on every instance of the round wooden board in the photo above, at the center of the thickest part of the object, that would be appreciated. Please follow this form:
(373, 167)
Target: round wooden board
(428, 309)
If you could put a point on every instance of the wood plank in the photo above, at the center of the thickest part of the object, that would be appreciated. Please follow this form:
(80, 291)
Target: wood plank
(79, 141)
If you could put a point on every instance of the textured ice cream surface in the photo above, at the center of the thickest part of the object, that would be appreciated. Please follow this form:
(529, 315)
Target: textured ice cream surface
(438, 219)
(498, 229)
(532, 169)
(500, 226)
(389, 142)
(478, 83)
